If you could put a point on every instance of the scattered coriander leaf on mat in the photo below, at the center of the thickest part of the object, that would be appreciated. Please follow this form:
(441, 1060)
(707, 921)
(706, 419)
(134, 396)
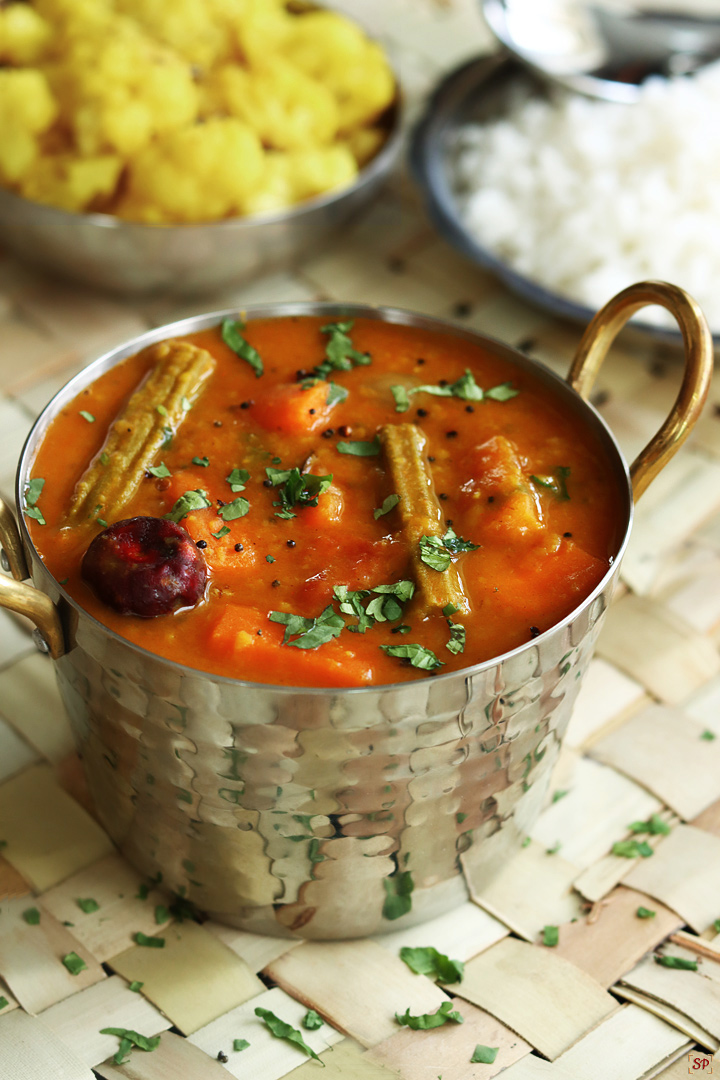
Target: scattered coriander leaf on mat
(388, 504)
(716, 926)
(428, 961)
(484, 1055)
(31, 916)
(708, 736)
(237, 479)
(312, 1020)
(418, 655)
(426, 1021)
(398, 891)
(87, 905)
(87, 416)
(526, 842)
(191, 500)
(143, 892)
(678, 962)
(654, 825)
(311, 632)
(149, 942)
(203, 462)
(136, 986)
(232, 336)
(240, 1044)
(460, 817)
(551, 935)
(360, 449)
(129, 1038)
(645, 913)
(554, 849)
(236, 509)
(161, 914)
(4, 1002)
(630, 849)
(33, 490)
(159, 471)
(74, 963)
(281, 1030)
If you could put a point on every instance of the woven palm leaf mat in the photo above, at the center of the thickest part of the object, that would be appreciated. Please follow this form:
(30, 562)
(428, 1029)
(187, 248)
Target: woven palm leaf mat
(643, 746)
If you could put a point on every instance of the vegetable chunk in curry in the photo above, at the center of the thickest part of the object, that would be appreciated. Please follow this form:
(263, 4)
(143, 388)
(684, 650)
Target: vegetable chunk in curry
(367, 502)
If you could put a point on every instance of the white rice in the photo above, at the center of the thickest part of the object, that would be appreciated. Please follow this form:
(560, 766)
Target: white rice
(586, 197)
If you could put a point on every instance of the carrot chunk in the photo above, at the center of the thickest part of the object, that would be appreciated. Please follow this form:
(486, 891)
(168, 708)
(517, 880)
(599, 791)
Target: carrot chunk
(292, 410)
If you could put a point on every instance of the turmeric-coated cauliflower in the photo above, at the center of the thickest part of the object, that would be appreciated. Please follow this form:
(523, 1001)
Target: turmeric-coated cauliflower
(293, 176)
(24, 35)
(72, 183)
(27, 109)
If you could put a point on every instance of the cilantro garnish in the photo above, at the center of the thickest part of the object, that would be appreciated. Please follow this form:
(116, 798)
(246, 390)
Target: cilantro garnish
(31, 916)
(203, 462)
(426, 1021)
(464, 388)
(645, 913)
(556, 483)
(335, 394)
(32, 494)
(360, 449)
(281, 1030)
(191, 500)
(128, 1039)
(220, 533)
(551, 935)
(311, 1021)
(161, 409)
(629, 849)
(311, 633)
(339, 352)
(88, 906)
(149, 942)
(436, 552)
(237, 479)
(270, 558)
(232, 336)
(87, 416)
(236, 509)
(449, 610)
(428, 961)
(418, 655)
(104, 458)
(484, 1055)
(159, 471)
(388, 504)
(74, 963)
(240, 1044)
(655, 825)
(383, 607)
(296, 489)
(398, 890)
(677, 962)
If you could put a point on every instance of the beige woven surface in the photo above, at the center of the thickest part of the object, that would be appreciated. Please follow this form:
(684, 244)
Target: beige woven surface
(596, 1006)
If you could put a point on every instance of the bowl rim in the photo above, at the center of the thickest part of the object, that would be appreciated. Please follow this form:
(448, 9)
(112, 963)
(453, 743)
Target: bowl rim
(394, 315)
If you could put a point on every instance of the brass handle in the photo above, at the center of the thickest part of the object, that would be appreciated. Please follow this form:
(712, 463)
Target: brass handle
(698, 345)
(24, 599)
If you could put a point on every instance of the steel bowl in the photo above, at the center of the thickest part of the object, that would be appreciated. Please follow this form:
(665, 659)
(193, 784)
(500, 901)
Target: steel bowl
(130, 258)
(334, 813)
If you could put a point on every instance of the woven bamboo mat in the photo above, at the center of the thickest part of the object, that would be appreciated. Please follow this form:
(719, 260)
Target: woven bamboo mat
(644, 740)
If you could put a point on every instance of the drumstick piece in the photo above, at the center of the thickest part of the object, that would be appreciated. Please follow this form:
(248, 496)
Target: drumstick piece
(152, 415)
(404, 448)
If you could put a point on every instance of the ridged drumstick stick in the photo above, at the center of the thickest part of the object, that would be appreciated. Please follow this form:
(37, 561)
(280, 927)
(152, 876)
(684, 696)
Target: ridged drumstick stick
(404, 447)
(156, 409)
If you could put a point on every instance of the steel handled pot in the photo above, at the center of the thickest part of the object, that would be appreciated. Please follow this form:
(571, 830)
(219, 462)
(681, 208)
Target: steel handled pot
(326, 813)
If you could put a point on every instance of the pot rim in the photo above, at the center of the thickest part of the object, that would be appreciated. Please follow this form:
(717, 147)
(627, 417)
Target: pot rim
(398, 316)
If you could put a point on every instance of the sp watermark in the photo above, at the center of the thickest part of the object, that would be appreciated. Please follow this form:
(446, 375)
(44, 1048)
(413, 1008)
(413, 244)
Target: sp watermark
(700, 1063)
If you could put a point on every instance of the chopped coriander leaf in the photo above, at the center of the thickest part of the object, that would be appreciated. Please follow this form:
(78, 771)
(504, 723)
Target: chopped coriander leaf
(159, 471)
(232, 336)
(191, 500)
(311, 1021)
(297, 489)
(237, 479)
(645, 913)
(456, 644)
(33, 490)
(418, 655)
(128, 1039)
(335, 394)
(360, 449)
(74, 963)
(339, 352)
(426, 1021)
(402, 398)
(149, 942)
(484, 1055)
(222, 532)
(428, 961)
(104, 458)
(31, 916)
(87, 416)
(654, 825)
(677, 962)
(142, 893)
(551, 935)
(203, 462)
(449, 610)
(161, 914)
(388, 504)
(270, 558)
(554, 849)
(88, 905)
(630, 849)
(240, 1044)
(136, 986)
(281, 1030)
(236, 509)
(102, 521)
(557, 483)
(559, 794)
(708, 736)
(311, 633)
(460, 817)
(464, 388)
(398, 890)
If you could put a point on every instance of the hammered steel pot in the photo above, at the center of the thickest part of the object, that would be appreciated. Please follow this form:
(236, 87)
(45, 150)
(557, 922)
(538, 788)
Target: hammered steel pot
(326, 813)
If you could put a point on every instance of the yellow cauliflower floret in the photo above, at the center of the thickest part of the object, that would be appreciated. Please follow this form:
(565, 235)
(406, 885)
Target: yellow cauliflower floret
(197, 174)
(262, 29)
(286, 108)
(186, 25)
(24, 35)
(27, 109)
(335, 50)
(293, 176)
(364, 143)
(70, 182)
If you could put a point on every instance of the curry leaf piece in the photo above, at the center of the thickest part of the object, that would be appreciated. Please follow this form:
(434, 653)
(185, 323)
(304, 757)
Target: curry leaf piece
(388, 504)
(456, 644)
(339, 352)
(655, 825)
(335, 394)
(428, 961)
(551, 935)
(74, 963)
(484, 1055)
(232, 336)
(87, 905)
(281, 1030)
(678, 962)
(556, 483)
(240, 1044)
(311, 1021)
(398, 890)
(32, 494)
(159, 471)
(149, 942)
(360, 449)
(418, 655)
(236, 509)
(191, 500)
(31, 916)
(311, 632)
(237, 479)
(645, 913)
(426, 1021)
(402, 398)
